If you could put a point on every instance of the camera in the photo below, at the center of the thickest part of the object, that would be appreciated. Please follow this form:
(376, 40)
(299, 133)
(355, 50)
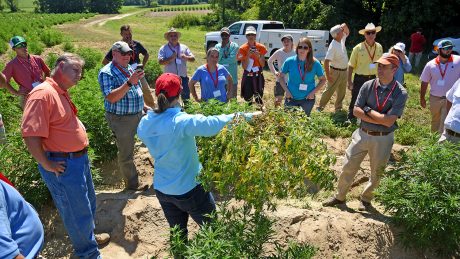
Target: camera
(139, 68)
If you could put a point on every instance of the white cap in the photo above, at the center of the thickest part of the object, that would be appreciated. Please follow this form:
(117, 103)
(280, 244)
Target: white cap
(250, 30)
(400, 46)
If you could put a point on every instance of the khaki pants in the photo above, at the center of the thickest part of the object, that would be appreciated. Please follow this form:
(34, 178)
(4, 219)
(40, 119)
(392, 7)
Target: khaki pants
(148, 97)
(438, 111)
(124, 127)
(339, 85)
(379, 150)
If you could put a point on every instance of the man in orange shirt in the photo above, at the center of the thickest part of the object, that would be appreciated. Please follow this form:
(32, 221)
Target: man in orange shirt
(57, 139)
(252, 58)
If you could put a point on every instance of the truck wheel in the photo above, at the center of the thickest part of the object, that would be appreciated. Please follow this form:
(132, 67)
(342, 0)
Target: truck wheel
(211, 44)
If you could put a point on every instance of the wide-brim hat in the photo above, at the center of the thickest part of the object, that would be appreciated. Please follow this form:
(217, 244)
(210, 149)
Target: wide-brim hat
(370, 27)
(171, 30)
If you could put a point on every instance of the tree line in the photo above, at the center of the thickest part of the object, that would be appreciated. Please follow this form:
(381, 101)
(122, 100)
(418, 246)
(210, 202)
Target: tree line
(399, 18)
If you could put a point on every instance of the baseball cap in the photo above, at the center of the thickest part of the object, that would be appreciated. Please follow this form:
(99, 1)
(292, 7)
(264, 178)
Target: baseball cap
(225, 30)
(445, 44)
(288, 36)
(400, 46)
(169, 84)
(250, 30)
(16, 40)
(121, 46)
(388, 59)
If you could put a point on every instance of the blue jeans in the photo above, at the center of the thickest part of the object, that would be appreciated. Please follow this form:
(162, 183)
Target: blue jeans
(196, 203)
(74, 197)
(306, 104)
(185, 94)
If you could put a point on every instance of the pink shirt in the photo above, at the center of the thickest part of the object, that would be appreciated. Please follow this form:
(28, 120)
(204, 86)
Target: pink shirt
(432, 74)
(49, 113)
(25, 72)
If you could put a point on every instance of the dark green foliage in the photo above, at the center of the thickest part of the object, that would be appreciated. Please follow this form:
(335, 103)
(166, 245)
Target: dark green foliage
(237, 233)
(12, 5)
(68, 46)
(78, 6)
(422, 193)
(185, 20)
(105, 6)
(91, 56)
(152, 71)
(51, 60)
(51, 37)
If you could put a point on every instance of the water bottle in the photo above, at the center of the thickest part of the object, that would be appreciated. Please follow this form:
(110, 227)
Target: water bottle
(2, 132)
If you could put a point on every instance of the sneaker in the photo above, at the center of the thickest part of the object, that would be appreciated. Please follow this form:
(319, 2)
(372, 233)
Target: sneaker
(102, 238)
(319, 109)
(332, 202)
(364, 205)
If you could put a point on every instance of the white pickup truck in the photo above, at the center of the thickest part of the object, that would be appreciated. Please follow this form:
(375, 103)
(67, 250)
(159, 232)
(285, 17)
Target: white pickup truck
(269, 33)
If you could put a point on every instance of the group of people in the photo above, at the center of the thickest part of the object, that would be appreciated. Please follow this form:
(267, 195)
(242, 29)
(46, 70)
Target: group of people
(58, 141)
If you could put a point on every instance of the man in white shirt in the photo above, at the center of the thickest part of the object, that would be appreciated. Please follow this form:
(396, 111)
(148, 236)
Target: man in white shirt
(335, 66)
(452, 123)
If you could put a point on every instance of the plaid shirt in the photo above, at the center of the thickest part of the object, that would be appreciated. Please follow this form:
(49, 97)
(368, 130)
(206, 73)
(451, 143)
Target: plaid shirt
(111, 78)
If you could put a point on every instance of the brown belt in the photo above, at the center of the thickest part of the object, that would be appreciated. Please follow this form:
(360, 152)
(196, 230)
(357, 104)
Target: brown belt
(69, 154)
(453, 133)
(375, 133)
(339, 69)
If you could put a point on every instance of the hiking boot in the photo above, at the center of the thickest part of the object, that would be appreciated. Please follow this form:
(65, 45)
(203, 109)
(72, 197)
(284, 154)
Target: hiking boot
(332, 202)
(102, 238)
(141, 187)
(364, 205)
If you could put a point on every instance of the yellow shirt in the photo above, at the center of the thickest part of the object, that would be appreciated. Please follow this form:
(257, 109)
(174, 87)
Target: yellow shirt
(361, 61)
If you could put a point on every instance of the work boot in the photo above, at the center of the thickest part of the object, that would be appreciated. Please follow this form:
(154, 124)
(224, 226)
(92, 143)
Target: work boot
(102, 238)
(332, 202)
(364, 206)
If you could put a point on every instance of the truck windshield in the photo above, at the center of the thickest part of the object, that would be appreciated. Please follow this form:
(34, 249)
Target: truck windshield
(273, 26)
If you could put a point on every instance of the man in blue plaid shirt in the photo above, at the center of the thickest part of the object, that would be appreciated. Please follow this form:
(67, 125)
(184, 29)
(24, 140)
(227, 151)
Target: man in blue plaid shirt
(123, 104)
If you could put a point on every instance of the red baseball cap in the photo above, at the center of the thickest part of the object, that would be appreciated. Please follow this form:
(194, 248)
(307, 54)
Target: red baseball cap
(169, 84)
(388, 59)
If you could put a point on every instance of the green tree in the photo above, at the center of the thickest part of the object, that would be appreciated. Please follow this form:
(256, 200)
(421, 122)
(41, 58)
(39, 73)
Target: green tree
(13, 5)
(105, 6)
(63, 6)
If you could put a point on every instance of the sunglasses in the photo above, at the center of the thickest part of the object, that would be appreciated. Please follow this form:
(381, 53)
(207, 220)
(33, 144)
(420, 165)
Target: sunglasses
(370, 32)
(303, 47)
(448, 48)
(224, 35)
(21, 45)
(129, 53)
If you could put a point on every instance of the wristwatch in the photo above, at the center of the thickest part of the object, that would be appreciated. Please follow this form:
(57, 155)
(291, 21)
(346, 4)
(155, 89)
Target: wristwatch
(129, 83)
(367, 109)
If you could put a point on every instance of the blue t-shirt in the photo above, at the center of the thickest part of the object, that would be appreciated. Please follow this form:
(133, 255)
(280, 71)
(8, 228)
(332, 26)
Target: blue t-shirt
(20, 228)
(291, 67)
(208, 89)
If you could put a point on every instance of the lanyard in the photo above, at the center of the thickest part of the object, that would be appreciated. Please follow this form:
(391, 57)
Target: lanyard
(302, 76)
(72, 105)
(369, 53)
(227, 49)
(30, 67)
(445, 69)
(217, 76)
(385, 100)
(175, 49)
(122, 70)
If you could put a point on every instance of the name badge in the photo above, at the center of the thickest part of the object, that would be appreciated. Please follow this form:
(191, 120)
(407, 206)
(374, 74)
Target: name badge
(217, 93)
(178, 61)
(440, 83)
(139, 91)
(255, 69)
(34, 84)
(372, 66)
(303, 87)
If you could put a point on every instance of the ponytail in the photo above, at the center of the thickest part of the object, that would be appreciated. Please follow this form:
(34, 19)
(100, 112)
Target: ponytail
(164, 102)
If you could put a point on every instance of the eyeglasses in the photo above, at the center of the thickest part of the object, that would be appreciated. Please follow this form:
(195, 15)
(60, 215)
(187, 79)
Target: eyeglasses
(370, 32)
(303, 47)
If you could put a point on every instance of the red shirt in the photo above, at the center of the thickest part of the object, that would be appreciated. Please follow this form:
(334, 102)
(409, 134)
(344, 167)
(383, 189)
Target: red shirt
(49, 113)
(26, 71)
(417, 41)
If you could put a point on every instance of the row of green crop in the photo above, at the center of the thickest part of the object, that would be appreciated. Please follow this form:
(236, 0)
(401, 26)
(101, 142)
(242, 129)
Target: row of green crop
(182, 8)
(36, 28)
